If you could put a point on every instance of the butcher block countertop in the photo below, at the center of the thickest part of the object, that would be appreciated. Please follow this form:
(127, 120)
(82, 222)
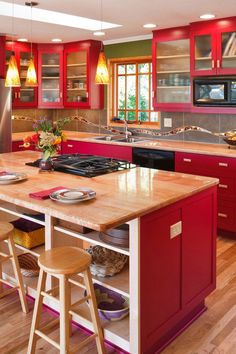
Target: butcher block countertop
(121, 196)
(170, 145)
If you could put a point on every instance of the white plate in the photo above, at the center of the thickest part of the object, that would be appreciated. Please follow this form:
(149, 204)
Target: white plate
(72, 195)
(9, 177)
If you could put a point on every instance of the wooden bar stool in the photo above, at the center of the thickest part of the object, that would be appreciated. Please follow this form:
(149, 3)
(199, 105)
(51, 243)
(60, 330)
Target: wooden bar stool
(63, 262)
(6, 234)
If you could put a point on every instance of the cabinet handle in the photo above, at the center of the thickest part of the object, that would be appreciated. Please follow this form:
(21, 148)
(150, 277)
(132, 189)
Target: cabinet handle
(19, 95)
(218, 63)
(60, 94)
(223, 186)
(187, 160)
(222, 215)
(87, 94)
(213, 64)
(176, 229)
(223, 164)
(20, 146)
(15, 95)
(70, 145)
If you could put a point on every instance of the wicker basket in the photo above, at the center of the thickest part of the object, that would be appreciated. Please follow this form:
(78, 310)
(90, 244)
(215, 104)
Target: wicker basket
(28, 265)
(106, 262)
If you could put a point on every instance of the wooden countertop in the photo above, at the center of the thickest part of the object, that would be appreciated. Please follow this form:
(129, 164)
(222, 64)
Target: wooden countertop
(121, 196)
(170, 145)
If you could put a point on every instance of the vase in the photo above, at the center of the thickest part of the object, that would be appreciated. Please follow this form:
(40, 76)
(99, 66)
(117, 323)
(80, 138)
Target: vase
(46, 165)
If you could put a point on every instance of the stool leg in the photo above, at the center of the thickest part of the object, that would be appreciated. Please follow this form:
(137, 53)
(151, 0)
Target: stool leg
(18, 275)
(94, 312)
(37, 312)
(64, 315)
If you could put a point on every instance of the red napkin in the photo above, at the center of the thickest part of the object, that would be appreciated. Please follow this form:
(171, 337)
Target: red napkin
(3, 173)
(45, 193)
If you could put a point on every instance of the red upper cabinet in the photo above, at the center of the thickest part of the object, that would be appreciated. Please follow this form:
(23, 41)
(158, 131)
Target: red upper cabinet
(50, 75)
(23, 96)
(213, 47)
(80, 62)
(171, 69)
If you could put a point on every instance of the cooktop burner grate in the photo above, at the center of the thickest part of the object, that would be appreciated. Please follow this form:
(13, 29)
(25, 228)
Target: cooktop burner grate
(86, 165)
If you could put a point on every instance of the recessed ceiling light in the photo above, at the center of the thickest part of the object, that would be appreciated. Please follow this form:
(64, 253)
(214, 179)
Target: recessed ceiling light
(207, 16)
(56, 18)
(99, 33)
(57, 40)
(22, 40)
(149, 25)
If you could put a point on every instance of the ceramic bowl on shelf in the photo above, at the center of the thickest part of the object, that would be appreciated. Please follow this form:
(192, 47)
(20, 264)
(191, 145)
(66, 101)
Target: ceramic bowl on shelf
(112, 306)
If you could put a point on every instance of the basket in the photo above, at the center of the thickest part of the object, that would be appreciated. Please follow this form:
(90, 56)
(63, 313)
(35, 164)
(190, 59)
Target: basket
(106, 262)
(28, 233)
(28, 265)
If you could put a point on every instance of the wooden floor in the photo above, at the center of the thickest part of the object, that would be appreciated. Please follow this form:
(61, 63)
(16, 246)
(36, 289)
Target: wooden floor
(213, 333)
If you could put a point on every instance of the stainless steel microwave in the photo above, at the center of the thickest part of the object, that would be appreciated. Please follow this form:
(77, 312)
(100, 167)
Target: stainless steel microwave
(217, 91)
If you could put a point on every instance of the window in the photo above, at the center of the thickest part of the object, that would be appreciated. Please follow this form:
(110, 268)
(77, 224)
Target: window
(131, 94)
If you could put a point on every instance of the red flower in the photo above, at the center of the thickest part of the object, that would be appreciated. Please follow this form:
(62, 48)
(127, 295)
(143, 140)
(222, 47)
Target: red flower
(35, 138)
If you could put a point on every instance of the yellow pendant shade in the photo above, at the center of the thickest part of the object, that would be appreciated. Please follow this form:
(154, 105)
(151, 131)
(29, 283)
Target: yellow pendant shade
(12, 76)
(31, 77)
(102, 76)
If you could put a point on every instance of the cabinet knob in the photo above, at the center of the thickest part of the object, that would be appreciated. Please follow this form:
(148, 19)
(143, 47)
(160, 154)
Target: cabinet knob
(221, 215)
(218, 63)
(15, 95)
(70, 145)
(187, 160)
(223, 186)
(213, 64)
(223, 164)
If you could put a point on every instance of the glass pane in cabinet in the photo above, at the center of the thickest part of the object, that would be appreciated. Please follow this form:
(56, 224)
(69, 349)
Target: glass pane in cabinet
(173, 94)
(24, 63)
(173, 48)
(76, 70)
(26, 95)
(228, 53)
(173, 79)
(50, 77)
(203, 53)
(174, 64)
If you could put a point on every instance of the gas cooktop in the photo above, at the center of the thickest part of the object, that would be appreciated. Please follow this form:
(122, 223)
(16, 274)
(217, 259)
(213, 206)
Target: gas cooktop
(86, 165)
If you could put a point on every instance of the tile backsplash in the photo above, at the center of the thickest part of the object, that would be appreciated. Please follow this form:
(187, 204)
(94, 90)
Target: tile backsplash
(215, 123)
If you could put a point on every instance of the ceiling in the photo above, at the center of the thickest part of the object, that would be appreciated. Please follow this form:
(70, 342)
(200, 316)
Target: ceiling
(131, 14)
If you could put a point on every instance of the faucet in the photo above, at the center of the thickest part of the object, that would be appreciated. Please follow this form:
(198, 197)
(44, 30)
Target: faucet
(127, 132)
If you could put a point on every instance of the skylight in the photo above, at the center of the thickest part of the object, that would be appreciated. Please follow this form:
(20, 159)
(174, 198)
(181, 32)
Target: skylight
(53, 17)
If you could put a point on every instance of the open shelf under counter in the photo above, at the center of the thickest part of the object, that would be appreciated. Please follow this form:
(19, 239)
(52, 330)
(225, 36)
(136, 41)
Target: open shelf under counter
(35, 251)
(11, 209)
(93, 238)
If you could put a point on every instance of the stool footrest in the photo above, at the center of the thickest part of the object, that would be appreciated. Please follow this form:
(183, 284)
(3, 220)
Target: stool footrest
(7, 282)
(48, 339)
(8, 291)
(77, 283)
(80, 302)
(5, 258)
(51, 291)
(45, 294)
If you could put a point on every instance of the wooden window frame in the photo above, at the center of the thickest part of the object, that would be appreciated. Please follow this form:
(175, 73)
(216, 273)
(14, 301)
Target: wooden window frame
(112, 91)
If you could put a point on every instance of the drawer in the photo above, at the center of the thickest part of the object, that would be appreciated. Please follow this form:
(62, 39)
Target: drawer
(226, 215)
(227, 187)
(70, 147)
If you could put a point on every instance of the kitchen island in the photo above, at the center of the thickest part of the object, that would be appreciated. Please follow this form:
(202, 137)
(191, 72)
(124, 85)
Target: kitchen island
(172, 231)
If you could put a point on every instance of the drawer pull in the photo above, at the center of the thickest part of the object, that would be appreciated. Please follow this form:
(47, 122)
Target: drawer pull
(223, 164)
(187, 160)
(21, 146)
(222, 215)
(223, 186)
(70, 146)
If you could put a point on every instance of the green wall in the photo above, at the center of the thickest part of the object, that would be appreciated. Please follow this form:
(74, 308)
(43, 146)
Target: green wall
(129, 49)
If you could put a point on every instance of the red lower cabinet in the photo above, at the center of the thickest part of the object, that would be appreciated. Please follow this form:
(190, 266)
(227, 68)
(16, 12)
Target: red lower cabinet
(19, 146)
(177, 268)
(223, 168)
(107, 150)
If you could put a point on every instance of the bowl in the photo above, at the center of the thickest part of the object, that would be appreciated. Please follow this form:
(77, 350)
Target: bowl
(111, 305)
(230, 141)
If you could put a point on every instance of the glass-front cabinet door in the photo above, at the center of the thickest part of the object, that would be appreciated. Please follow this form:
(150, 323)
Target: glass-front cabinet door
(226, 62)
(171, 65)
(50, 76)
(76, 78)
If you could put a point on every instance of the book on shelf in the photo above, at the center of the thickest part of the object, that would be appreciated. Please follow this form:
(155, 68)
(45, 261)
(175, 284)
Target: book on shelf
(229, 50)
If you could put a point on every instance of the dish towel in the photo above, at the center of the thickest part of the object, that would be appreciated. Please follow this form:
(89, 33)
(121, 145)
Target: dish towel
(45, 193)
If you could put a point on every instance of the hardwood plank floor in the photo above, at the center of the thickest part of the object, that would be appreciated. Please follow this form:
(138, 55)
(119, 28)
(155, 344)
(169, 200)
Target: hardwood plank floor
(213, 333)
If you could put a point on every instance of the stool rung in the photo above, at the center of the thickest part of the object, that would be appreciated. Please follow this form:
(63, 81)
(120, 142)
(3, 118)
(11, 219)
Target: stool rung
(5, 258)
(4, 254)
(50, 325)
(86, 341)
(77, 283)
(45, 294)
(81, 301)
(50, 291)
(48, 339)
(8, 291)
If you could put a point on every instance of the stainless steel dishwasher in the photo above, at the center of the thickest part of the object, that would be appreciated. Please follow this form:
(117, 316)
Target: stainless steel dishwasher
(158, 159)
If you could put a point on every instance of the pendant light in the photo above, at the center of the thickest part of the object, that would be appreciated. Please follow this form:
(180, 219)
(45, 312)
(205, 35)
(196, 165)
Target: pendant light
(31, 77)
(102, 76)
(12, 75)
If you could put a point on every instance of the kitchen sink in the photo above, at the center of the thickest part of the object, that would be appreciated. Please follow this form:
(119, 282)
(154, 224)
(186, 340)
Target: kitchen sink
(118, 138)
(130, 140)
(107, 137)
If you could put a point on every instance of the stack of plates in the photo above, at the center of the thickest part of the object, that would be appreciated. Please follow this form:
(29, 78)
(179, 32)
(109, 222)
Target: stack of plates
(71, 196)
(12, 177)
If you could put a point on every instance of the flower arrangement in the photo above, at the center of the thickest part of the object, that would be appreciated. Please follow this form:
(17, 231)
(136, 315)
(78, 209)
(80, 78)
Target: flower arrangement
(48, 136)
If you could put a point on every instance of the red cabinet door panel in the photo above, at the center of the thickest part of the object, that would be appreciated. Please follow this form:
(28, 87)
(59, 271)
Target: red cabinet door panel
(108, 150)
(18, 146)
(70, 147)
(227, 188)
(226, 215)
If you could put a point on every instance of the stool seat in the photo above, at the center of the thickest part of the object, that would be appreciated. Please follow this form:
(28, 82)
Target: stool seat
(5, 230)
(64, 260)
